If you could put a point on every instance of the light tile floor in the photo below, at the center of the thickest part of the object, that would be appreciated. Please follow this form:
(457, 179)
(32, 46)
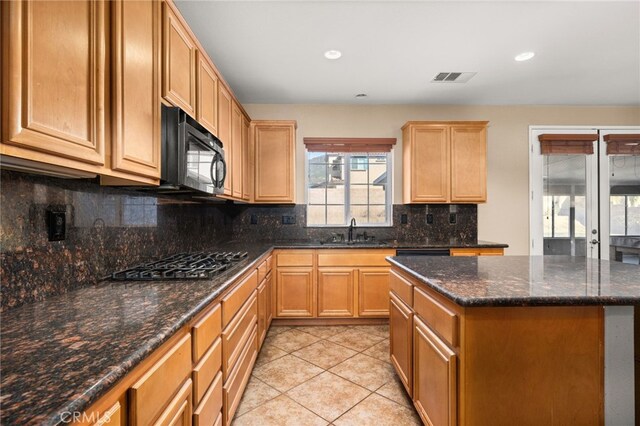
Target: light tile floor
(320, 375)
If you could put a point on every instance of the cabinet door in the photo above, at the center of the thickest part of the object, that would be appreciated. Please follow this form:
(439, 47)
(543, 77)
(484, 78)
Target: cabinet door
(400, 341)
(207, 111)
(468, 164)
(262, 312)
(54, 99)
(373, 292)
(428, 157)
(246, 164)
(237, 158)
(270, 298)
(179, 63)
(434, 391)
(295, 292)
(224, 133)
(274, 178)
(136, 89)
(335, 292)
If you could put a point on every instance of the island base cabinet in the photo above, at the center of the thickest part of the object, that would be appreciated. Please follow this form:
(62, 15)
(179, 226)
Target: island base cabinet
(434, 377)
(400, 340)
(521, 363)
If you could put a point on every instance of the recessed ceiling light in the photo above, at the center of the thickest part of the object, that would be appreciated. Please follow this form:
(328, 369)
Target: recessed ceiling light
(361, 95)
(332, 54)
(525, 56)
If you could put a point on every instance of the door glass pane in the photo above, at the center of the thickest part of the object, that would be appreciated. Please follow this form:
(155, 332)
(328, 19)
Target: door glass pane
(624, 208)
(564, 204)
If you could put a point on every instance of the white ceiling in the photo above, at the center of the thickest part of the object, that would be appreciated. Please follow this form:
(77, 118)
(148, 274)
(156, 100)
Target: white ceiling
(587, 52)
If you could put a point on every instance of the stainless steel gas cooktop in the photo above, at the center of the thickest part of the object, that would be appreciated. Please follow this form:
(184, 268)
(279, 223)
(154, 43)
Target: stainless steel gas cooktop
(182, 266)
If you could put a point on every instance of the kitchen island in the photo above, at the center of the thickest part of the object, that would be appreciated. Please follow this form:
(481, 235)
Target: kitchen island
(515, 340)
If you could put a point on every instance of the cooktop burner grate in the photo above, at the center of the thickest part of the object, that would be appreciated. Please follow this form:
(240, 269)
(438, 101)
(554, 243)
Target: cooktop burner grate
(182, 266)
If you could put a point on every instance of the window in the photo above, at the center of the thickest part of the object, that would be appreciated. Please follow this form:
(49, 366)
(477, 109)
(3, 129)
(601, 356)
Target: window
(336, 193)
(625, 214)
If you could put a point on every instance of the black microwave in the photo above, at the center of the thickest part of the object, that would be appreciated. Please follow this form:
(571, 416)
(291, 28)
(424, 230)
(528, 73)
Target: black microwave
(192, 157)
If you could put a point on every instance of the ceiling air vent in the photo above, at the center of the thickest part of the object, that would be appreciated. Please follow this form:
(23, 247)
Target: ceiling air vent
(453, 77)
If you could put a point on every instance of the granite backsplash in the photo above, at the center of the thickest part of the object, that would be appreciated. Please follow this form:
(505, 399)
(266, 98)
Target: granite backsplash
(270, 225)
(109, 229)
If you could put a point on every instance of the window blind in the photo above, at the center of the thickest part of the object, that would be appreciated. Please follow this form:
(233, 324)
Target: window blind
(628, 144)
(567, 144)
(349, 144)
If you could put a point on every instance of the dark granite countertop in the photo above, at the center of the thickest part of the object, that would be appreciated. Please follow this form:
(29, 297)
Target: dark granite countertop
(388, 244)
(62, 354)
(526, 280)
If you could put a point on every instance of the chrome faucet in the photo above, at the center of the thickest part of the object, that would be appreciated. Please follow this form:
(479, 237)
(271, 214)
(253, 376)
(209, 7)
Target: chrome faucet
(351, 226)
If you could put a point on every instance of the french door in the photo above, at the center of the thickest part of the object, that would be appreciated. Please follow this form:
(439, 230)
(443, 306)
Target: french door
(584, 192)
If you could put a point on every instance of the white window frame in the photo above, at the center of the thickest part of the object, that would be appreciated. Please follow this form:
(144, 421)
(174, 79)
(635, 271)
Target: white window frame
(347, 184)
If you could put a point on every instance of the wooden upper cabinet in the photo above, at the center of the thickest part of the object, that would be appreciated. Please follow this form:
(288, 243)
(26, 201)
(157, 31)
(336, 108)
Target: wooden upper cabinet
(236, 167)
(444, 162)
(274, 157)
(426, 164)
(246, 163)
(179, 62)
(207, 110)
(54, 69)
(136, 87)
(468, 163)
(224, 133)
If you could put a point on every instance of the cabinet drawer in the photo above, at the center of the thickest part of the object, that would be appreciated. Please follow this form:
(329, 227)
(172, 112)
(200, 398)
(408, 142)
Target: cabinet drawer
(354, 257)
(402, 287)
(269, 263)
(151, 394)
(262, 271)
(209, 408)
(234, 386)
(178, 412)
(437, 316)
(206, 370)
(233, 301)
(295, 258)
(237, 333)
(205, 331)
(111, 417)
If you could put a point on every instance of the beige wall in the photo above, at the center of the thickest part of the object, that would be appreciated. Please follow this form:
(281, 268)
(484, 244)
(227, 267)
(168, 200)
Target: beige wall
(505, 216)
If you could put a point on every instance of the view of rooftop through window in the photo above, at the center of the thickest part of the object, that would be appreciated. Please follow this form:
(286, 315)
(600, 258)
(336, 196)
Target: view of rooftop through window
(341, 186)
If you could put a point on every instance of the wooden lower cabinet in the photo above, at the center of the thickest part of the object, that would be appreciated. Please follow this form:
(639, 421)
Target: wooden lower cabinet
(373, 292)
(401, 340)
(336, 292)
(497, 365)
(199, 375)
(270, 297)
(151, 394)
(239, 377)
(178, 413)
(262, 312)
(434, 377)
(476, 252)
(295, 295)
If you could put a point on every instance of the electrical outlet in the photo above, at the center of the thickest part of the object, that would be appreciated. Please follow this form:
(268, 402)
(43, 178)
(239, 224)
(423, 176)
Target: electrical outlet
(56, 225)
(429, 218)
(453, 218)
(254, 219)
(403, 219)
(288, 220)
